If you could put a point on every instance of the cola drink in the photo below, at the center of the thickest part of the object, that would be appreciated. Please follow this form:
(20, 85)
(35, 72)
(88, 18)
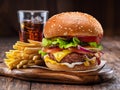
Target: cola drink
(31, 30)
(31, 24)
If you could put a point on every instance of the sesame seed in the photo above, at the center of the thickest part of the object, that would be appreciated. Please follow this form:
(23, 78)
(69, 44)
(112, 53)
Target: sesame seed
(61, 27)
(76, 25)
(48, 22)
(69, 28)
(65, 33)
(95, 28)
(65, 28)
(54, 20)
(51, 26)
(85, 14)
(81, 26)
(89, 30)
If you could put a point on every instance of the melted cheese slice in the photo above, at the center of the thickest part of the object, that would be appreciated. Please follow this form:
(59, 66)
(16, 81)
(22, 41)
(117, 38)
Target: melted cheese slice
(60, 55)
(47, 59)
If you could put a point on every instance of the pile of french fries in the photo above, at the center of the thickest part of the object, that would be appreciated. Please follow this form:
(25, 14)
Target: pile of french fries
(23, 55)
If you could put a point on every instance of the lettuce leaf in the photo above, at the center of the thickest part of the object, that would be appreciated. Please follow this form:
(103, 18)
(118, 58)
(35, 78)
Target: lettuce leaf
(42, 53)
(64, 43)
(46, 42)
(61, 42)
(94, 44)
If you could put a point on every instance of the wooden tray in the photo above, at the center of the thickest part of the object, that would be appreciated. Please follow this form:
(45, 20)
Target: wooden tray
(43, 74)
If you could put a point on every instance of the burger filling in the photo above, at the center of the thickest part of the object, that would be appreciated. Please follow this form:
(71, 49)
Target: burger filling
(72, 57)
(71, 50)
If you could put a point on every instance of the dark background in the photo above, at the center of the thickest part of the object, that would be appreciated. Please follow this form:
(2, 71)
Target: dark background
(107, 12)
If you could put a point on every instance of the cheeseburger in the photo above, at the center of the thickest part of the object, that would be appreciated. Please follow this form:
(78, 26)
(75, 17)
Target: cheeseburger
(72, 42)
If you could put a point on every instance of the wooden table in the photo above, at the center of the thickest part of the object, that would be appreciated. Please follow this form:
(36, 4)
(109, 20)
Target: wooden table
(111, 54)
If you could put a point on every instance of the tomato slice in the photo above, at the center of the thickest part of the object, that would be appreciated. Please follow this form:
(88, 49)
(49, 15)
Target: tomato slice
(77, 50)
(99, 61)
(51, 50)
(90, 38)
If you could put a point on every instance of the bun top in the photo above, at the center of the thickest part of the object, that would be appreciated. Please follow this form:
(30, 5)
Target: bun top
(72, 24)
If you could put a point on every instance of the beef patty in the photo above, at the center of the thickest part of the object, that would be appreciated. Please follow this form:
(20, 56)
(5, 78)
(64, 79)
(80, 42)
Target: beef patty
(72, 57)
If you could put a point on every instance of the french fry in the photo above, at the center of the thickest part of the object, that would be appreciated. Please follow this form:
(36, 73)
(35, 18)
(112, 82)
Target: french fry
(34, 42)
(31, 56)
(12, 64)
(23, 62)
(30, 63)
(38, 62)
(7, 60)
(19, 43)
(14, 54)
(25, 56)
(18, 47)
(18, 66)
(9, 55)
(30, 50)
(25, 66)
(36, 57)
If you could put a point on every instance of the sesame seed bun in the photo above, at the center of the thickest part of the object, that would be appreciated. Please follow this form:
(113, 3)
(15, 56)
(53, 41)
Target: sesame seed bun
(72, 24)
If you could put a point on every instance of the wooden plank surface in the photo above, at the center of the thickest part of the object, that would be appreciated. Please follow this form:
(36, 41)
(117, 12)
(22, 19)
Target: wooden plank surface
(43, 74)
(111, 54)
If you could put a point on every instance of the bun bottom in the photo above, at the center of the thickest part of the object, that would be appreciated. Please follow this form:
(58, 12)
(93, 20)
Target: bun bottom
(53, 65)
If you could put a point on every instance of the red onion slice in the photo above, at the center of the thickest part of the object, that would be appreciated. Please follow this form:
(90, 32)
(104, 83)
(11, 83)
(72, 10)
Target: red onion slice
(84, 49)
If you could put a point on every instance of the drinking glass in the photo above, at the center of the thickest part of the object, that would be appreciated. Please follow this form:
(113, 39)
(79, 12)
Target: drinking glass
(31, 24)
